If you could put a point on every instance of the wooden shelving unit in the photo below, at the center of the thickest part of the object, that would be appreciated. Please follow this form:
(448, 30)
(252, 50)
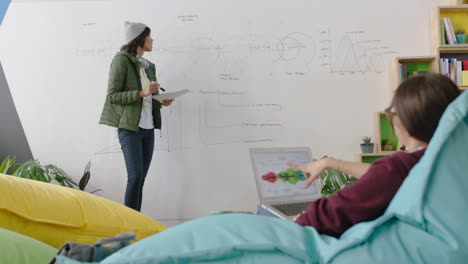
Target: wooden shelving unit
(431, 61)
(458, 15)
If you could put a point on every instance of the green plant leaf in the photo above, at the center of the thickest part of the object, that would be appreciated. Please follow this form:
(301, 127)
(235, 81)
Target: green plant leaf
(342, 179)
(2, 167)
(21, 169)
(7, 164)
(36, 173)
(336, 185)
(84, 180)
(15, 167)
(332, 181)
(60, 181)
(60, 176)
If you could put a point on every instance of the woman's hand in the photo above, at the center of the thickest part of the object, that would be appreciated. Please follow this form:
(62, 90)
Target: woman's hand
(312, 170)
(167, 102)
(152, 88)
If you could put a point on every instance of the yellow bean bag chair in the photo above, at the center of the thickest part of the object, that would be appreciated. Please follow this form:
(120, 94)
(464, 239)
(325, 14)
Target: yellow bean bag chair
(54, 214)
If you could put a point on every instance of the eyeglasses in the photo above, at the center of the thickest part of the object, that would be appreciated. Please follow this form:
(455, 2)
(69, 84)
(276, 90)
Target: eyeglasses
(390, 114)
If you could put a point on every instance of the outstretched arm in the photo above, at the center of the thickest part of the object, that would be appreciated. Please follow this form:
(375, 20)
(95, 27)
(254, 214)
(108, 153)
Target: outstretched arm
(364, 200)
(314, 169)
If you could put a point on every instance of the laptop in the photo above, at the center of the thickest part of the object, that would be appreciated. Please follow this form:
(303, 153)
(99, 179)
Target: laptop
(280, 188)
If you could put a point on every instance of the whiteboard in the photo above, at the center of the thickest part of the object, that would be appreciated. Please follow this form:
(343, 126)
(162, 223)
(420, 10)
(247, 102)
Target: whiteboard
(262, 74)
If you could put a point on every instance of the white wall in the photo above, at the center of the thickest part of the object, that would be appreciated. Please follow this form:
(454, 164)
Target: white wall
(262, 73)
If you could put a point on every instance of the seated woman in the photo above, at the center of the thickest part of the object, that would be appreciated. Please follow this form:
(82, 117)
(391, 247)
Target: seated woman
(415, 110)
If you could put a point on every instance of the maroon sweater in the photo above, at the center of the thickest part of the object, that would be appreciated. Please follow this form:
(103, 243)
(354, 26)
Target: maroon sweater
(364, 200)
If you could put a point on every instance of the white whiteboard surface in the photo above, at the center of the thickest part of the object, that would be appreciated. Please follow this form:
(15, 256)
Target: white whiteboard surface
(262, 74)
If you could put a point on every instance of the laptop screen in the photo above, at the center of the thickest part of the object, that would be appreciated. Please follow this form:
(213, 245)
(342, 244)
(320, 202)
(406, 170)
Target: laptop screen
(275, 179)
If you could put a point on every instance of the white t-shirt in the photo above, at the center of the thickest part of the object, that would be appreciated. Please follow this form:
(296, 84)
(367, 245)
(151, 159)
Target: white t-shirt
(146, 117)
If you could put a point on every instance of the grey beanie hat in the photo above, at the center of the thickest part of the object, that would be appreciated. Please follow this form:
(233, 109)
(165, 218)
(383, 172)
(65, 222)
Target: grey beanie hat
(132, 30)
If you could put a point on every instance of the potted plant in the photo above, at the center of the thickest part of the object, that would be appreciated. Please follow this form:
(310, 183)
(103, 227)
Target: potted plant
(366, 145)
(386, 145)
(461, 37)
(34, 170)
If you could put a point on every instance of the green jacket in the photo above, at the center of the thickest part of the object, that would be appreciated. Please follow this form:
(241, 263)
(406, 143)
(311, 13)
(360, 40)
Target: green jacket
(122, 108)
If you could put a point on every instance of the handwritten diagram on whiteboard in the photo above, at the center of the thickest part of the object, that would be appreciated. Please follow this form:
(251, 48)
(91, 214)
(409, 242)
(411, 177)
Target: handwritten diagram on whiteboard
(353, 53)
(227, 110)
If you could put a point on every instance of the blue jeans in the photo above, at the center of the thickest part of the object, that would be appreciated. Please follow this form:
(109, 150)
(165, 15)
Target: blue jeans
(137, 148)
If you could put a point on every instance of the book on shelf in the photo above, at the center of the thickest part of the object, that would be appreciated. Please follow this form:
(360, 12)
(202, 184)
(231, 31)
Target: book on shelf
(464, 78)
(465, 65)
(443, 41)
(454, 69)
(444, 67)
(452, 32)
(402, 71)
(449, 33)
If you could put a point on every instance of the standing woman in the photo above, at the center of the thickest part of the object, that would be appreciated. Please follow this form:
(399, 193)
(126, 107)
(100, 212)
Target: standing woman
(130, 107)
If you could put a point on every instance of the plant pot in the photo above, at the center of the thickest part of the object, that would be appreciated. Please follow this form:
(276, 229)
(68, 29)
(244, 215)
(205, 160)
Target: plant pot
(461, 38)
(367, 148)
(387, 147)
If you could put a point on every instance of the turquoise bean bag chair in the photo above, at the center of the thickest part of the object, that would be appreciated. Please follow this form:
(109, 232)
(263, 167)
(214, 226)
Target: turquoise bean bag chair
(426, 222)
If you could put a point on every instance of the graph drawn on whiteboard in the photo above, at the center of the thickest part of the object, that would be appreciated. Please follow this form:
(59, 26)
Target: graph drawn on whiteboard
(240, 54)
(352, 53)
(296, 45)
(224, 120)
(205, 49)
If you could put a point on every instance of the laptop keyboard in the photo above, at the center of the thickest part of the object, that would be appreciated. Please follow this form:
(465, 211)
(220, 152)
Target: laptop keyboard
(291, 208)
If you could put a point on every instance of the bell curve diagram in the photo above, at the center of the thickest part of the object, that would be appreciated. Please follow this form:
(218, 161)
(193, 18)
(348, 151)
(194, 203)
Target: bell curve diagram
(354, 53)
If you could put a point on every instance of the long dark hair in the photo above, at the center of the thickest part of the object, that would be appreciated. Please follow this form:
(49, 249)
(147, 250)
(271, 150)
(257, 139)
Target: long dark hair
(420, 102)
(139, 41)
